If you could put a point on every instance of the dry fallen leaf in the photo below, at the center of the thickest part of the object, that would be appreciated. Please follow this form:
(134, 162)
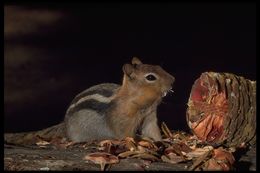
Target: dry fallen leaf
(106, 146)
(61, 142)
(146, 156)
(197, 152)
(42, 143)
(172, 158)
(112, 141)
(166, 130)
(130, 143)
(201, 159)
(129, 153)
(221, 160)
(102, 158)
(146, 144)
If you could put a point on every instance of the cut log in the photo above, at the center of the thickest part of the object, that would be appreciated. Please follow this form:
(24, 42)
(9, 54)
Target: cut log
(222, 109)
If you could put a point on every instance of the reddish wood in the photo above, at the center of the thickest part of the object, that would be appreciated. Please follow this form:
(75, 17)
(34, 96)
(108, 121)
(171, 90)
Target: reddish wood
(222, 109)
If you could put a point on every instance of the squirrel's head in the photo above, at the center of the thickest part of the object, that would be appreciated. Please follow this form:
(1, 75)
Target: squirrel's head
(151, 80)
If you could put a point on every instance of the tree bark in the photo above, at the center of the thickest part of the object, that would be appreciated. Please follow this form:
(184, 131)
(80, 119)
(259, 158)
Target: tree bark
(17, 158)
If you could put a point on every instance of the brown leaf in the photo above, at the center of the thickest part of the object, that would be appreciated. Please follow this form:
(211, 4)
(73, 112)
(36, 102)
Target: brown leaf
(221, 160)
(61, 142)
(146, 156)
(172, 158)
(41, 142)
(130, 143)
(197, 152)
(200, 160)
(148, 144)
(115, 146)
(129, 153)
(166, 130)
(102, 158)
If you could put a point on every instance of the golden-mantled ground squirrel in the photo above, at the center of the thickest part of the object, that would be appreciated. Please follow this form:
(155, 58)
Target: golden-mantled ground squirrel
(112, 111)
(109, 110)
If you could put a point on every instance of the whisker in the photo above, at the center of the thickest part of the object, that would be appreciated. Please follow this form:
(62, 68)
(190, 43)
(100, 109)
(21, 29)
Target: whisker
(166, 102)
(163, 102)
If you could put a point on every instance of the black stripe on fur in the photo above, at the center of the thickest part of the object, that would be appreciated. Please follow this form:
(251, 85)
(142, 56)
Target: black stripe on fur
(92, 105)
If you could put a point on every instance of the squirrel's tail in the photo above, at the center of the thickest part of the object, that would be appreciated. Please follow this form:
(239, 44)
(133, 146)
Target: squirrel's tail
(32, 137)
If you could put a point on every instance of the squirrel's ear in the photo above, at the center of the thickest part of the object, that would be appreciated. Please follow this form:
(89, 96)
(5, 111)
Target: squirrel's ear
(128, 69)
(136, 61)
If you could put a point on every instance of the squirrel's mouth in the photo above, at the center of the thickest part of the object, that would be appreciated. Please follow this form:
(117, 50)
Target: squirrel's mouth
(166, 92)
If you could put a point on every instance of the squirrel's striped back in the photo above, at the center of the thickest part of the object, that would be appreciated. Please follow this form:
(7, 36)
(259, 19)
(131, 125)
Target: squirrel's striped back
(96, 98)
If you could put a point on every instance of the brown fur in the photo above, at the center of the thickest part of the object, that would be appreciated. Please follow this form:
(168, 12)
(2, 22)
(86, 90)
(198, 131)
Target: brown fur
(137, 99)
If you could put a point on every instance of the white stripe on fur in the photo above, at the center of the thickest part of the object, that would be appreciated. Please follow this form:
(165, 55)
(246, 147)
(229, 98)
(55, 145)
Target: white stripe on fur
(97, 97)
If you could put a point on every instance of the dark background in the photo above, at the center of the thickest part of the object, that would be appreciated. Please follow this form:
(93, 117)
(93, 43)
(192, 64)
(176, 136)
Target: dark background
(54, 51)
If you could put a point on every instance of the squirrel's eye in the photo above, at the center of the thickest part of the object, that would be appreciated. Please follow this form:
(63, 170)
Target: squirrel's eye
(150, 77)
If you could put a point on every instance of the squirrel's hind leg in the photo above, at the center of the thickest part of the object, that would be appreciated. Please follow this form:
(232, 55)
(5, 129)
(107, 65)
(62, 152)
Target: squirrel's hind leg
(87, 125)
